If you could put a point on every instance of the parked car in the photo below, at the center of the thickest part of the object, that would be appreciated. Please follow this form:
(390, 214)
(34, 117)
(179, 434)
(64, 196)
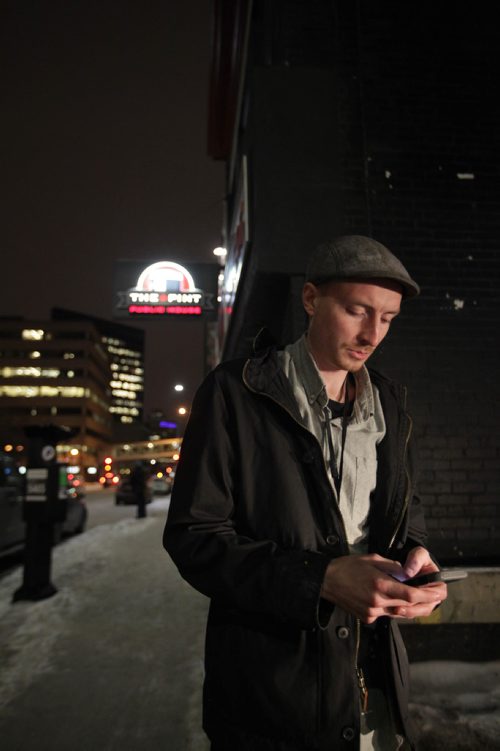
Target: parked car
(76, 512)
(162, 485)
(125, 496)
(12, 524)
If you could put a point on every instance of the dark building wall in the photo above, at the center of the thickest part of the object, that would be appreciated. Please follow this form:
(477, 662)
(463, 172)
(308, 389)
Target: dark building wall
(417, 107)
(379, 118)
(295, 165)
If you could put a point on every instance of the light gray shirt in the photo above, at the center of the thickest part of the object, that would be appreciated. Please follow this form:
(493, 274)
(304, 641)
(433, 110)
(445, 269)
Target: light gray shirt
(366, 428)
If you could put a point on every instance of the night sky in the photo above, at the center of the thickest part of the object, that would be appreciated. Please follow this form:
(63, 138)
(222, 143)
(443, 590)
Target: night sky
(104, 157)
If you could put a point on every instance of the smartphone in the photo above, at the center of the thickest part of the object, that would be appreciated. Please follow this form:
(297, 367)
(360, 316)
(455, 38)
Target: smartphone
(452, 575)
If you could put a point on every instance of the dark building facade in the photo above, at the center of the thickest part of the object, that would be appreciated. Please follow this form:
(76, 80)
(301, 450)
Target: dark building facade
(375, 117)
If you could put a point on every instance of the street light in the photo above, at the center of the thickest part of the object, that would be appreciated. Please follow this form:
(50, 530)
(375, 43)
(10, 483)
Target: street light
(179, 387)
(182, 410)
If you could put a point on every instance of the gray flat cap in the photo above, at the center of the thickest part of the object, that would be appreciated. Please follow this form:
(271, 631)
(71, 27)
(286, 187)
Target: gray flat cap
(358, 257)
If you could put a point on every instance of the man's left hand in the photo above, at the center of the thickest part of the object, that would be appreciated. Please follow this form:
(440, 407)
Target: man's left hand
(419, 562)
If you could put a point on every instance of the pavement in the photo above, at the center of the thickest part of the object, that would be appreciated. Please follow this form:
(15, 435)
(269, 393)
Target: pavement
(114, 660)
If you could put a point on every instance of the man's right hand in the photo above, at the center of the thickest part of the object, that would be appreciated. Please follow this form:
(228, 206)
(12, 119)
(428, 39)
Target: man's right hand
(363, 585)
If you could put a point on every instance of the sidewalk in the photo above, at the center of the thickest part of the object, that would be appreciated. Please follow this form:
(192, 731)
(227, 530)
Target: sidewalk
(114, 661)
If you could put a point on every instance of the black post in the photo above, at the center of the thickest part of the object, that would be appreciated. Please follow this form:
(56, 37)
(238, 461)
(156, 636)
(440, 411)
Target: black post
(43, 506)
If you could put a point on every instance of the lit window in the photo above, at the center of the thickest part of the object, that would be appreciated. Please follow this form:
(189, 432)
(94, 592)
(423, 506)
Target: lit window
(27, 372)
(33, 334)
(71, 392)
(18, 391)
(35, 354)
(48, 391)
(131, 378)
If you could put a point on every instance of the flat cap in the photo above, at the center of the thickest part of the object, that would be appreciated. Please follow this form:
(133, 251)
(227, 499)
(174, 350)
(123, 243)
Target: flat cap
(358, 257)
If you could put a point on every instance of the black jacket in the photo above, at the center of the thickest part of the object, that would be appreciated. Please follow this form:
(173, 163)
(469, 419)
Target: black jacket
(253, 524)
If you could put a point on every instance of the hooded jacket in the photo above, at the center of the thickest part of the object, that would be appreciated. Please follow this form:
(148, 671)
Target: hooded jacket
(253, 524)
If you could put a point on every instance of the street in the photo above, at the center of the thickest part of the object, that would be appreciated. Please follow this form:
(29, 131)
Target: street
(102, 508)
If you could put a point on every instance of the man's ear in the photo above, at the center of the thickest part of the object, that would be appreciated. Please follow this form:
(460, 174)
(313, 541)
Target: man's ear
(309, 296)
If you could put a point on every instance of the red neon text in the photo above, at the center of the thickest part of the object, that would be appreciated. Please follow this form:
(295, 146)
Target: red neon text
(192, 310)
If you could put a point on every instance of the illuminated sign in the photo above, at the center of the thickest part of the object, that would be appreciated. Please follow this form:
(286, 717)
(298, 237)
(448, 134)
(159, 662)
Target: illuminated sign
(164, 288)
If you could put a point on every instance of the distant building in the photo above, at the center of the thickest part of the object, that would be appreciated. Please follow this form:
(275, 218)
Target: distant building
(55, 372)
(125, 348)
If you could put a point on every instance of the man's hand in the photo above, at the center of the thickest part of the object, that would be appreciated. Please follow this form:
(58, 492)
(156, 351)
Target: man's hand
(366, 586)
(418, 562)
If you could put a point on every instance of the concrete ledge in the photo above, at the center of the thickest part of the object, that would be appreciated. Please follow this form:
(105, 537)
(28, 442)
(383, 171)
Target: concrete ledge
(472, 600)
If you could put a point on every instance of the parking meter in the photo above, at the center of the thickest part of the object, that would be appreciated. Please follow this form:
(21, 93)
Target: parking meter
(44, 504)
(45, 497)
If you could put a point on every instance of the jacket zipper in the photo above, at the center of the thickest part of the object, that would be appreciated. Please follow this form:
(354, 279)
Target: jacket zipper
(363, 690)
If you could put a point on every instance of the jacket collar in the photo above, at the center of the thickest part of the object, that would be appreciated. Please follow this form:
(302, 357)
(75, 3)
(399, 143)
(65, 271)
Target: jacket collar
(312, 382)
(315, 389)
(263, 374)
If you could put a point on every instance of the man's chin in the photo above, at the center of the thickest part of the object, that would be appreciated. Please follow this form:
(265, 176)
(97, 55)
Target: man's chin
(352, 366)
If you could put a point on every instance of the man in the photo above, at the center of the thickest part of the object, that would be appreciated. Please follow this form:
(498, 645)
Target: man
(138, 482)
(294, 509)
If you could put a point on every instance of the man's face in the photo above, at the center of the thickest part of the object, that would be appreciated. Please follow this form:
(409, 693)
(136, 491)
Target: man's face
(349, 319)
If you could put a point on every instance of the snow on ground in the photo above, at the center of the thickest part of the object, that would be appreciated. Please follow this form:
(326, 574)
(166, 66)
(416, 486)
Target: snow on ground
(456, 705)
(30, 630)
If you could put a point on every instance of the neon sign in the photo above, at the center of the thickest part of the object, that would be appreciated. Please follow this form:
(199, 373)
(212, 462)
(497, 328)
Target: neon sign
(165, 288)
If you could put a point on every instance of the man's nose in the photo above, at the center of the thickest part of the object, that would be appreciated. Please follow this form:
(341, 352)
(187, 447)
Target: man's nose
(371, 332)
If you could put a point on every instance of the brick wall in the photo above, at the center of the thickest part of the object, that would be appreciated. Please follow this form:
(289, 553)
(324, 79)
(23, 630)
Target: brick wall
(421, 167)
(381, 117)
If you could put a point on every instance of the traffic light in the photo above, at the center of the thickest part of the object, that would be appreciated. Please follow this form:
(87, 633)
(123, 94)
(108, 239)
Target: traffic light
(107, 473)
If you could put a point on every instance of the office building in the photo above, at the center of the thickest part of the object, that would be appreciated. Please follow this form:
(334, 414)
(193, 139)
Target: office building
(124, 346)
(55, 373)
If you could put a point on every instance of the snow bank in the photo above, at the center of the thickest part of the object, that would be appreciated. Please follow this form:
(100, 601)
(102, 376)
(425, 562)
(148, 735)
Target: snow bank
(456, 705)
(30, 630)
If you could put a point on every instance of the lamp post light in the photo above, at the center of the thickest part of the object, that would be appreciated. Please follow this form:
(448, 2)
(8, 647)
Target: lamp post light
(220, 254)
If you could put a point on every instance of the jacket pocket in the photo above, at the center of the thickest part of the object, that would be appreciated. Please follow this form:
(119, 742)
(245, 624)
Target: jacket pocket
(262, 679)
